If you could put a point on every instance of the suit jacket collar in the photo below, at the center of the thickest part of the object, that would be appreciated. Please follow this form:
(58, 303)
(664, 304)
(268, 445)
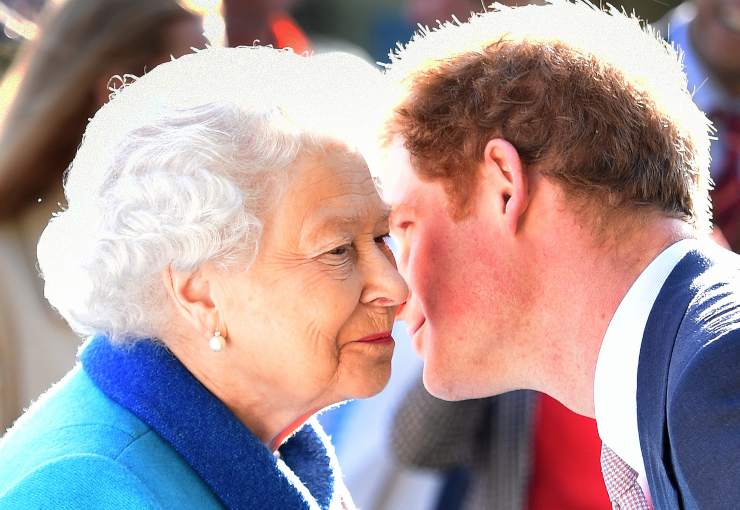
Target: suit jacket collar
(150, 382)
(615, 380)
(656, 352)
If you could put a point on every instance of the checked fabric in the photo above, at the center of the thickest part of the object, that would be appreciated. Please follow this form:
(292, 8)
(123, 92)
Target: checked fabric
(624, 491)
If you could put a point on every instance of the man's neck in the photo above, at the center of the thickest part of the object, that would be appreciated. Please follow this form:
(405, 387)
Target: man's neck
(587, 284)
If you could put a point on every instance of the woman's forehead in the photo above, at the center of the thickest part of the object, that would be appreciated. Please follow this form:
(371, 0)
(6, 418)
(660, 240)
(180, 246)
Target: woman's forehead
(330, 192)
(331, 178)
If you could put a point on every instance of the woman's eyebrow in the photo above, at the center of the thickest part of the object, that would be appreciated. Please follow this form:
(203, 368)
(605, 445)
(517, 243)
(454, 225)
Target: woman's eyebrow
(385, 216)
(329, 221)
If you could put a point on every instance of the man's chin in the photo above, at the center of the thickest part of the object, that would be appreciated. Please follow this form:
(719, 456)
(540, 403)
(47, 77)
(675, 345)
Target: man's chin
(447, 384)
(443, 384)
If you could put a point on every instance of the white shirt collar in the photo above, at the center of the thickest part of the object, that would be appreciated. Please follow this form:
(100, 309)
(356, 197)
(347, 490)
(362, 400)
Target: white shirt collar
(615, 382)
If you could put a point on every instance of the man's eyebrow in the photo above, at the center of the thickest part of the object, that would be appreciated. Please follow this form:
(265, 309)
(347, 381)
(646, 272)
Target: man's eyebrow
(399, 209)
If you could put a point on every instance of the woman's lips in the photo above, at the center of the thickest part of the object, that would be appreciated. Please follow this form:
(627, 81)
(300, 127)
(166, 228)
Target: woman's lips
(385, 336)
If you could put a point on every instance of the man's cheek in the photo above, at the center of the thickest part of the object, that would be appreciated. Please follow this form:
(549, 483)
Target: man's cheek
(400, 247)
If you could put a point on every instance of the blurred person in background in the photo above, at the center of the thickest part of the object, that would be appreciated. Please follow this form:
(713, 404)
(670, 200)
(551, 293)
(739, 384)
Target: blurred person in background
(397, 26)
(267, 22)
(518, 450)
(56, 83)
(708, 33)
(429, 12)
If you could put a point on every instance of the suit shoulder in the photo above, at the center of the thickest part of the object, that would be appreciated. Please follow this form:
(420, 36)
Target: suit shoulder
(712, 319)
(79, 481)
(690, 420)
(704, 422)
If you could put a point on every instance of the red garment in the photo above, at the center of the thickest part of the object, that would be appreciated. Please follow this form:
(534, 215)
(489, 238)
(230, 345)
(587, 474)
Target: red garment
(249, 23)
(567, 466)
(288, 34)
(726, 194)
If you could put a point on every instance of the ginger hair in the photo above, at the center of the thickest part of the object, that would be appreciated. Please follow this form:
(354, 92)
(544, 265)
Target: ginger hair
(614, 131)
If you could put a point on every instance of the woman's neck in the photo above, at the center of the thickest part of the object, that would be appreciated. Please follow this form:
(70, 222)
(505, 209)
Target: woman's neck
(270, 418)
(280, 438)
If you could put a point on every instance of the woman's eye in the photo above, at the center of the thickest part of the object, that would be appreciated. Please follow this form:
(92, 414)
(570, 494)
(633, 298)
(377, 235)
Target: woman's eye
(340, 250)
(385, 238)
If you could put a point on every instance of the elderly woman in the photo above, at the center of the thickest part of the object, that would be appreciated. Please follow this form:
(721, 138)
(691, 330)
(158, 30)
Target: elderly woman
(224, 249)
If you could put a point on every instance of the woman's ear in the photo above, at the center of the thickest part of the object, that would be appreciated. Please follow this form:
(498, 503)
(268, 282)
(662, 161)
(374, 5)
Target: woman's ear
(190, 292)
(503, 171)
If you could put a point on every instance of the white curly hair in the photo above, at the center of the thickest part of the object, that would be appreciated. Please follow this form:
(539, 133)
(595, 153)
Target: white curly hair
(180, 167)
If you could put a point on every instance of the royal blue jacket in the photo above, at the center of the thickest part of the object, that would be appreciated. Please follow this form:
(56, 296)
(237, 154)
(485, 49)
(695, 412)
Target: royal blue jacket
(688, 385)
(130, 428)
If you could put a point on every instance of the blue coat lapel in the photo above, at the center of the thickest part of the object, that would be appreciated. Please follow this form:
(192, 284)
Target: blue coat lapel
(658, 342)
(150, 382)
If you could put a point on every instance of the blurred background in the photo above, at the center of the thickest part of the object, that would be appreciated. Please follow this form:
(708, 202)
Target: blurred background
(376, 25)
(56, 59)
(373, 26)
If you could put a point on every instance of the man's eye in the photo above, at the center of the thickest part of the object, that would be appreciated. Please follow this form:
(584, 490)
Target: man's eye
(401, 225)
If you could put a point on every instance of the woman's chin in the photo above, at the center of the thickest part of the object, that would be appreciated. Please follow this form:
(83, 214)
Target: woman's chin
(370, 385)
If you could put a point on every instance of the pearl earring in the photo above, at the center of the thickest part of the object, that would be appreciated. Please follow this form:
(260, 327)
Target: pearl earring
(217, 342)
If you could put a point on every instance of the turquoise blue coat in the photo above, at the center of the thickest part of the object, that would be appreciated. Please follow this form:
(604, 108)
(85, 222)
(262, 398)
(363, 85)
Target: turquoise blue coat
(131, 428)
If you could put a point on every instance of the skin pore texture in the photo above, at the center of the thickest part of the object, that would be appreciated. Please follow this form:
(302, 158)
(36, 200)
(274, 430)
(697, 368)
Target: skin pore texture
(323, 279)
(498, 301)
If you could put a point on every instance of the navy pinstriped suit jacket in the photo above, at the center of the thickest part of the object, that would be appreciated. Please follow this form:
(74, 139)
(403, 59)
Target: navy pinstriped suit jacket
(688, 385)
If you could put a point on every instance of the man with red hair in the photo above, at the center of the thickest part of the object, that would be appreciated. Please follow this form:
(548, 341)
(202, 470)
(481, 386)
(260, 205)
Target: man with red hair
(548, 173)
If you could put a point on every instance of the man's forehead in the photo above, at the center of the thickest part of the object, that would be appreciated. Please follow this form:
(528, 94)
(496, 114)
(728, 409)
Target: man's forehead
(398, 178)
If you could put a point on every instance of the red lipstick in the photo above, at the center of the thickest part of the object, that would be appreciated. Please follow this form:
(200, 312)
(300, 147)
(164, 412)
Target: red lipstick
(377, 338)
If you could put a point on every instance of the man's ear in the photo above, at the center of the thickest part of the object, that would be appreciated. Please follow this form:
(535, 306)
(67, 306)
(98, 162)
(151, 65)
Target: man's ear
(190, 292)
(503, 170)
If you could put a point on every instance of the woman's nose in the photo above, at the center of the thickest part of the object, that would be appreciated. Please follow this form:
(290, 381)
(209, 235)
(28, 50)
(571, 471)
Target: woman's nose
(384, 284)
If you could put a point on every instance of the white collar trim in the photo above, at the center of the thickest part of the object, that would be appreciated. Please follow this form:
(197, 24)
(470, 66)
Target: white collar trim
(615, 382)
